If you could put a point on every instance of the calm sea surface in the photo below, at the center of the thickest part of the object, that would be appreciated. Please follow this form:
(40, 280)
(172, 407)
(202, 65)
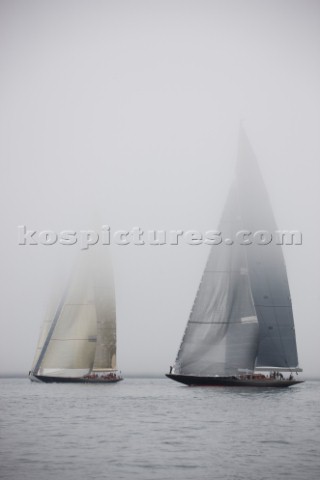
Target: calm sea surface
(156, 429)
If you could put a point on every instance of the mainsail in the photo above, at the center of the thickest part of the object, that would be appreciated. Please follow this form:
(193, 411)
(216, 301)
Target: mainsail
(80, 336)
(268, 276)
(105, 353)
(242, 315)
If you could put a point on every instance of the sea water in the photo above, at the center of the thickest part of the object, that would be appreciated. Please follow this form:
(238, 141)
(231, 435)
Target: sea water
(154, 428)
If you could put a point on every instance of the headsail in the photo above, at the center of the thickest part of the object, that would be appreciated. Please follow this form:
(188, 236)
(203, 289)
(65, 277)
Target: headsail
(81, 335)
(222, 331)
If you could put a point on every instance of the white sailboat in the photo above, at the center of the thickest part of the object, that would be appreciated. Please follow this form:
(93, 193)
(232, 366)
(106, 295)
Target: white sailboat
(78, 339)
(241, 324)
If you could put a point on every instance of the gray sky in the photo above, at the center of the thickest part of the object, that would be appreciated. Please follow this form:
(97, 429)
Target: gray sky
(127, 114)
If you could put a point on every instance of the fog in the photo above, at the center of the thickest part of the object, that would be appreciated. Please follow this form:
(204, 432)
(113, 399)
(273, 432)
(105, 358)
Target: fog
(127, 114)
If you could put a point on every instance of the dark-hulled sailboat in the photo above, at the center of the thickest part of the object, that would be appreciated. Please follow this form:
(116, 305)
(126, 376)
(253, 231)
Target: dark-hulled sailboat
(241, 323)
(77, 343)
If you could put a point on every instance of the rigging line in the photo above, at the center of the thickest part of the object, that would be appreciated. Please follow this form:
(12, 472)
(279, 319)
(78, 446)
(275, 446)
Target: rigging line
(53, 325)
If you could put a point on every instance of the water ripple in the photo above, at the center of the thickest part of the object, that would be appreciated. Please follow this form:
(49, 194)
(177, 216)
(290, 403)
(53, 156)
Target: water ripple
(155, 429)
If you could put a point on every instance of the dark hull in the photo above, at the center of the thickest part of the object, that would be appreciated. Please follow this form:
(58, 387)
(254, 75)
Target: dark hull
(231, 381)
(46, 379)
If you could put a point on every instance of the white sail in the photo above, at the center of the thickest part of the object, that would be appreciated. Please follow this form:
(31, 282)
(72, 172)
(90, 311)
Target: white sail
(71, 344)
(81, 335)
(44, 334)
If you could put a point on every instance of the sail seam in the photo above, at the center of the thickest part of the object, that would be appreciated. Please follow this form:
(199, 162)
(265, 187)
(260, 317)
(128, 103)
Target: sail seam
(217, 323)
(70, 339)
(272, 306)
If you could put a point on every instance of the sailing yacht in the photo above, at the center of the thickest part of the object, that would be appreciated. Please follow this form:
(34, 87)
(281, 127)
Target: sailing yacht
(78, 338)
(241, 328)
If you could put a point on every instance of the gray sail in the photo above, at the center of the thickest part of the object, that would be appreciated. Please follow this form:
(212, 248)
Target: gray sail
(268, 277)
(242, 316)
(221, 336)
